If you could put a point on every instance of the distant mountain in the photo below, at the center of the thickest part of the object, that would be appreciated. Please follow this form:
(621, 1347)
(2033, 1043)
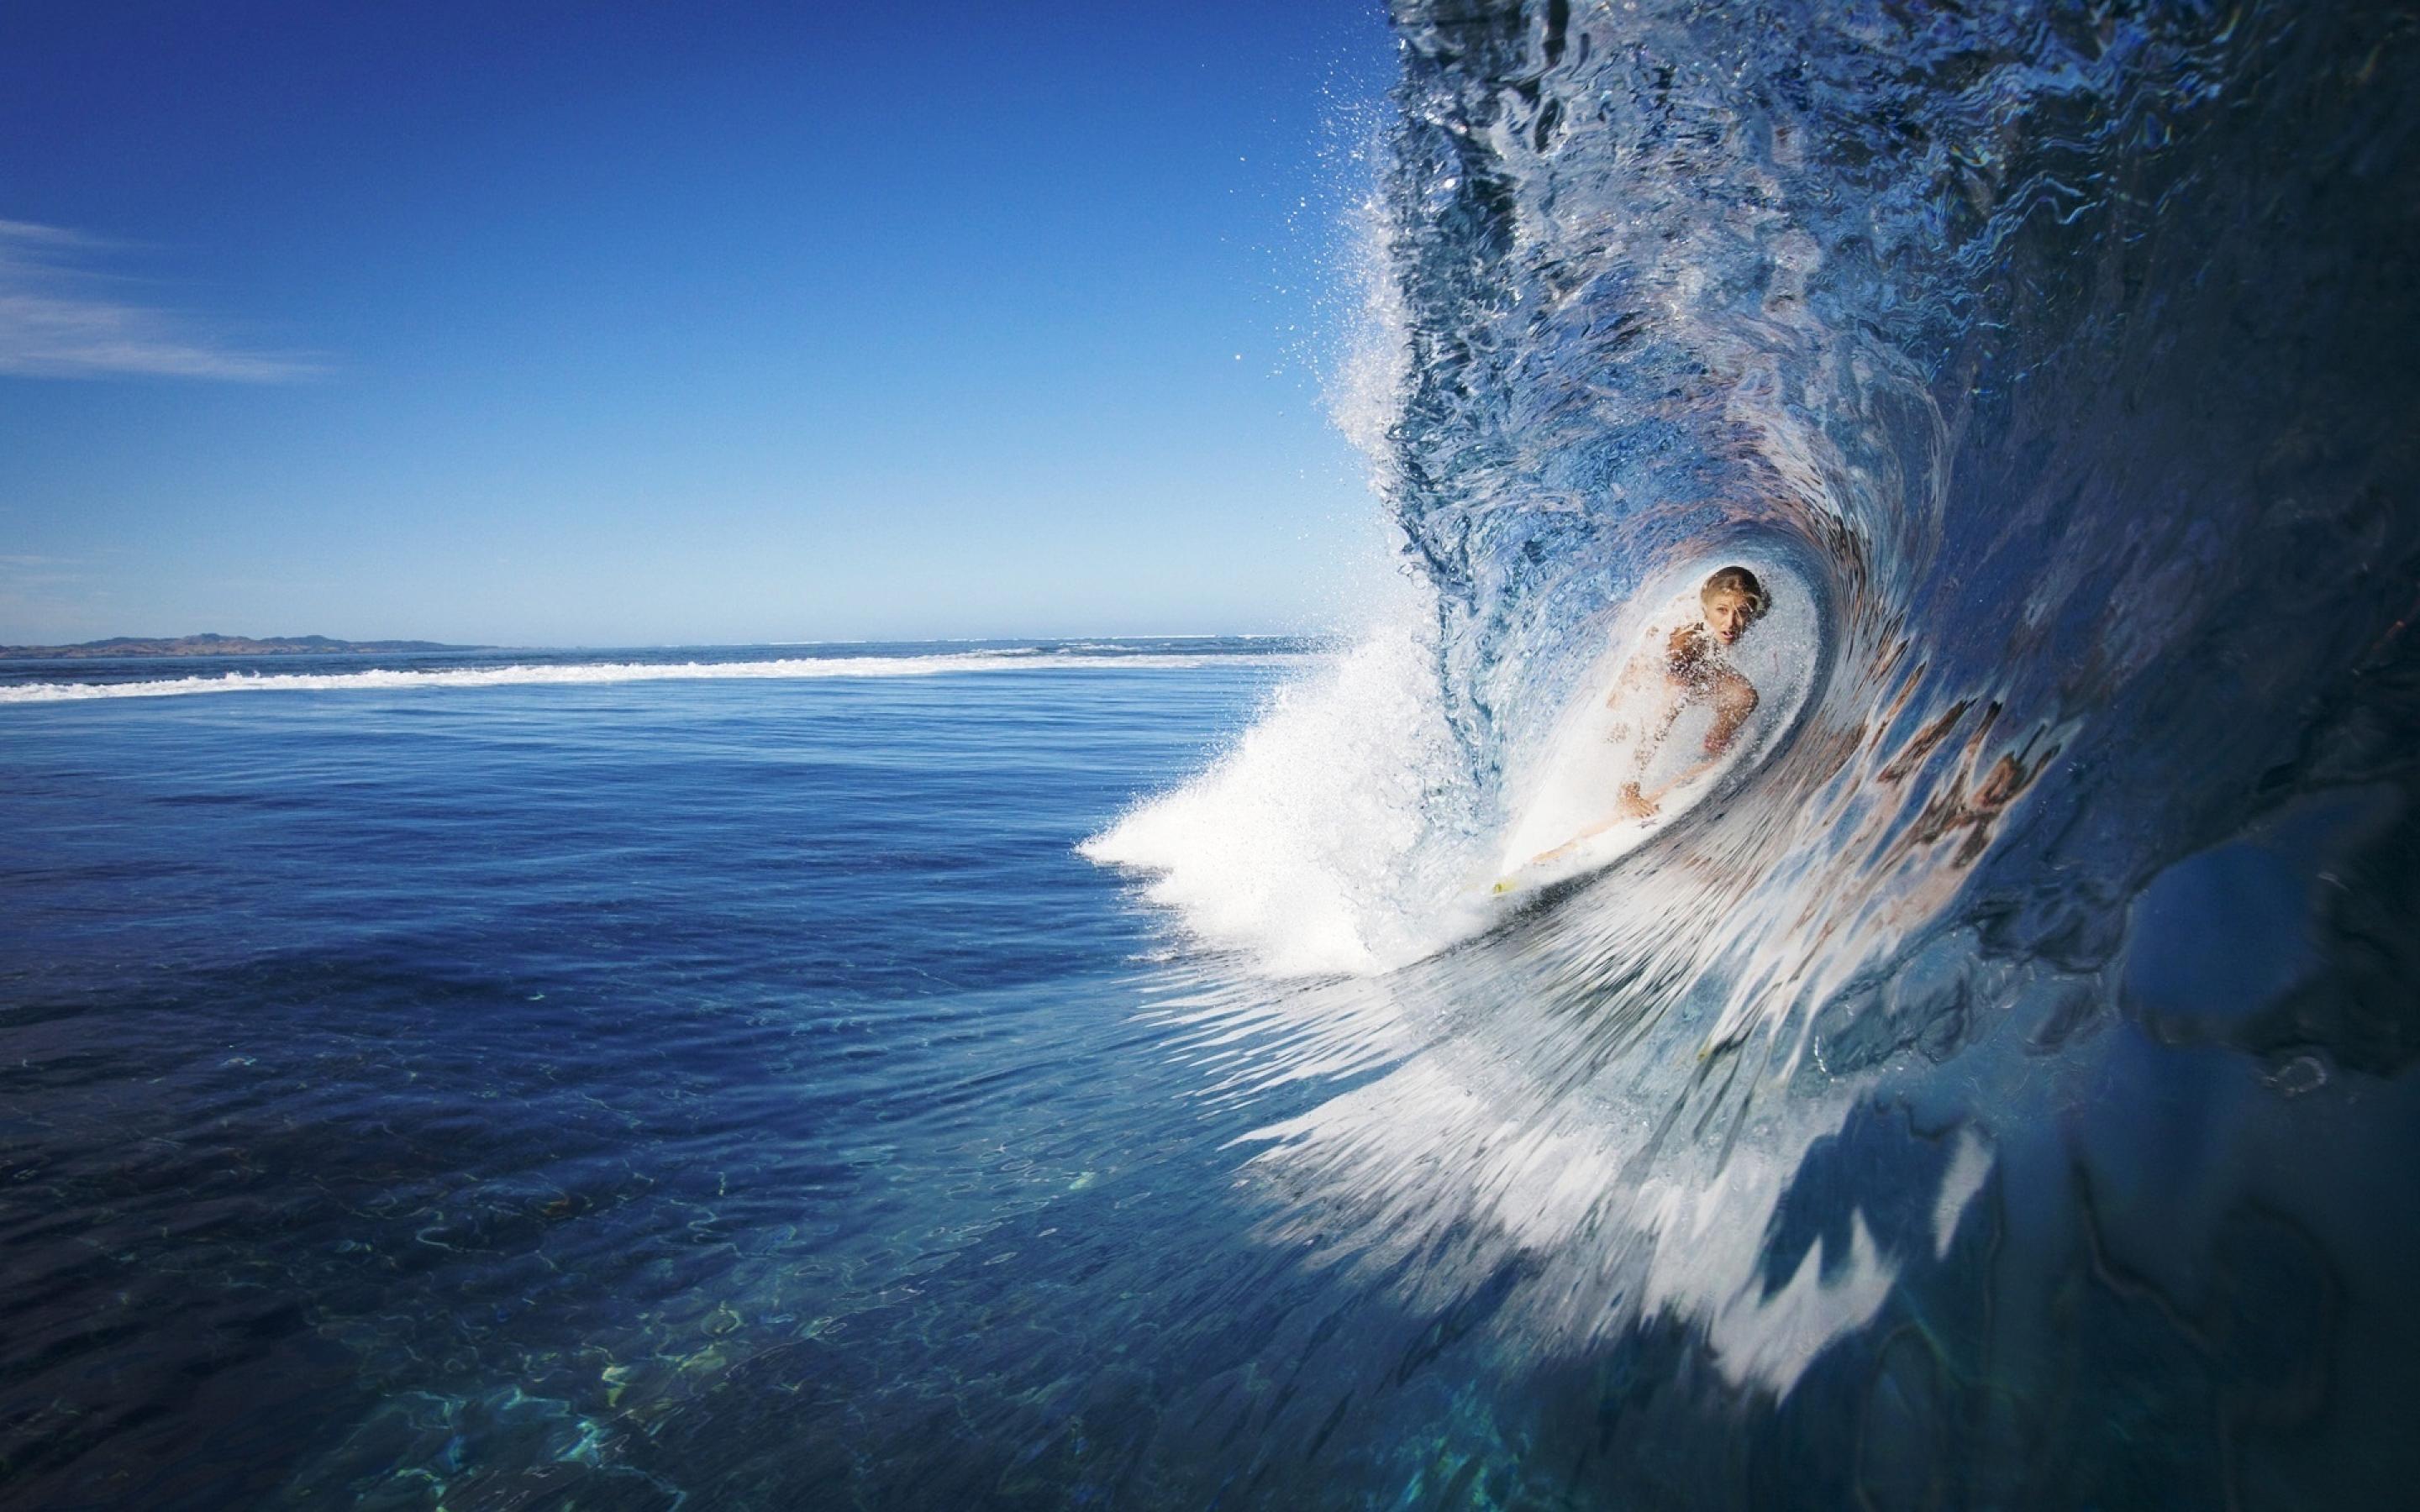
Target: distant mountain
(218, 645)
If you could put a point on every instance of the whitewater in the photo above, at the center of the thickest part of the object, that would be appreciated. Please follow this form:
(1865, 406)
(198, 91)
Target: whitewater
(1938, 1098)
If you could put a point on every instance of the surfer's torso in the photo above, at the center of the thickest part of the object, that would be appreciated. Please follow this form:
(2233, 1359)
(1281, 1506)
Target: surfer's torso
(1696, 662)
(1689, 664)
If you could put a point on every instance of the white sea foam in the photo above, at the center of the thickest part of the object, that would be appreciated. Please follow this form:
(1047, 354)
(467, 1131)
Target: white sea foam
(531, 673)
(1304, 846)
(1343, 832)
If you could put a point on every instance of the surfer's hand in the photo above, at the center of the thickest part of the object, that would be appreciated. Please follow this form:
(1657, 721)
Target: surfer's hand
(1684, 654)
(1632, 804)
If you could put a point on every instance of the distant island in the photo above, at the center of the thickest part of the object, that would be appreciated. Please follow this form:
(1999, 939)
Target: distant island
(218, 645)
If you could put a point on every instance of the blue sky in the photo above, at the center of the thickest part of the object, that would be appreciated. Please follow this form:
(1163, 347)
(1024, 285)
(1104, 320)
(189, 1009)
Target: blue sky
(547, 323)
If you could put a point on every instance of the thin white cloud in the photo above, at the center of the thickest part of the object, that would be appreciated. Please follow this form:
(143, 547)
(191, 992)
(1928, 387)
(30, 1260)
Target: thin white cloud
(59, 319)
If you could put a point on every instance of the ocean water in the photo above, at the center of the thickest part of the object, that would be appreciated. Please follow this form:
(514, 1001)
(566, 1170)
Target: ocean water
(1110, 1074)
(732, 1090)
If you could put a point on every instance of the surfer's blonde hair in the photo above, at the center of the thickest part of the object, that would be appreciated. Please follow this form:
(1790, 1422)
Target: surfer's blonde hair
(1738, 579)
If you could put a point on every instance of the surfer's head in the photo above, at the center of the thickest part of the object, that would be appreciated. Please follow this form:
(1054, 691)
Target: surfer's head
(1731, 601)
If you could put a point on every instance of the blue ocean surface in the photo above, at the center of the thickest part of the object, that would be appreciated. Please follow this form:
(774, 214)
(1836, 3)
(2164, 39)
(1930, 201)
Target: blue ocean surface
(721, 1092)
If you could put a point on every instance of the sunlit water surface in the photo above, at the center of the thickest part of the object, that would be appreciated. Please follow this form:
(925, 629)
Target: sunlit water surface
(736, 1090)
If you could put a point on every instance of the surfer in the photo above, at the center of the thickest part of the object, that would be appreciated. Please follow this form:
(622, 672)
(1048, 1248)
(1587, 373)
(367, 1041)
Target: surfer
(1689, 666)
(1691, 669)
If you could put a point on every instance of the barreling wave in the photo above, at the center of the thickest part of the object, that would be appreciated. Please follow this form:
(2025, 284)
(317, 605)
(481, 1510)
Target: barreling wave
(2054, 357)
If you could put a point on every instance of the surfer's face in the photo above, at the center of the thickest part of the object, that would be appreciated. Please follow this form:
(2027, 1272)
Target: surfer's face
(1727, 614)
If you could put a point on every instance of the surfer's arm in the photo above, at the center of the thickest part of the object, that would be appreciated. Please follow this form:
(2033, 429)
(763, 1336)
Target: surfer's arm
(1653, 688)
(1629, 803)
(1642, 681)
(1650, 739)
(1640, 677)
(1655, 726)
(1734, 700)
